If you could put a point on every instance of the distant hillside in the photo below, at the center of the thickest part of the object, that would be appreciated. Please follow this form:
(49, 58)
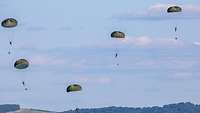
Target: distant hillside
(171, 108)
(8, 107)
(30, 111)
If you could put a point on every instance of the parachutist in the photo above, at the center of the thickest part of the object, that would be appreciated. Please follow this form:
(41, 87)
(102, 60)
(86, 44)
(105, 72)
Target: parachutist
(175, 29)
(9, 52)
(175, 9)
(116, 54)
(10, 43)
(118, 35)
(23, 83)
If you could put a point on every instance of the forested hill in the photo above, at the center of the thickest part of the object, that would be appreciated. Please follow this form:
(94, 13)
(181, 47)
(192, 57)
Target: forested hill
(8, 107)
(171, 108)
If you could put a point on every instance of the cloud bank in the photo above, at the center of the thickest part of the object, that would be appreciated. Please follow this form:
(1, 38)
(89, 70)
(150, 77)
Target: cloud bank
(147, 41)
(159, 12)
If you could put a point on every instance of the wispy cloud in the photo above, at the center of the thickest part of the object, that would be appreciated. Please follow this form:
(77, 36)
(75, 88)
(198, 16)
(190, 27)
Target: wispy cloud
(141, 41)
(159, 12)
(36, 28)
(94, 80)
(46, 60)
(146, 41)
(196, 43)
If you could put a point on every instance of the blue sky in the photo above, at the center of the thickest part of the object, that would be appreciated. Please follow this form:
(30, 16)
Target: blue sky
(69, 42)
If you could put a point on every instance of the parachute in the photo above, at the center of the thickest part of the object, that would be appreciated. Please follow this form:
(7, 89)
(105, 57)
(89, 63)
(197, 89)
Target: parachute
(73, 88)
(117, 34)
(21, 64)
(174, 9)
(9, 23)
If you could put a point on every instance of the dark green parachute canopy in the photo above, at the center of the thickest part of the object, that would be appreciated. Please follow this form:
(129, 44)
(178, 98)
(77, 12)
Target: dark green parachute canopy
(74, 87)
(174, 9)
(9, 23)
(21, 64)
(117, 34)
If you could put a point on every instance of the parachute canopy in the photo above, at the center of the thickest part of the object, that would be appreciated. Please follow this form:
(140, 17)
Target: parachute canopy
(21, 64)
(174, 9)
(74, 87)
(117, 34)
(9, 23)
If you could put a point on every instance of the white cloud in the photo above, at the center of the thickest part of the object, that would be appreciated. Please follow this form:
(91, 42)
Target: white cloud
(192, 8)
(158, 8)
(93, 80)
(45, 60)
(182, 75)
(159, 12)
(185, 8)
(146, 41)
(142, 41)
(196, 43)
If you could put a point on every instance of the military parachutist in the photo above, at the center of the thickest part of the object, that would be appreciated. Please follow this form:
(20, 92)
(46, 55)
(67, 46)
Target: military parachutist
(175, 29)
(116, 54)
(23, 83)
(10, 43)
